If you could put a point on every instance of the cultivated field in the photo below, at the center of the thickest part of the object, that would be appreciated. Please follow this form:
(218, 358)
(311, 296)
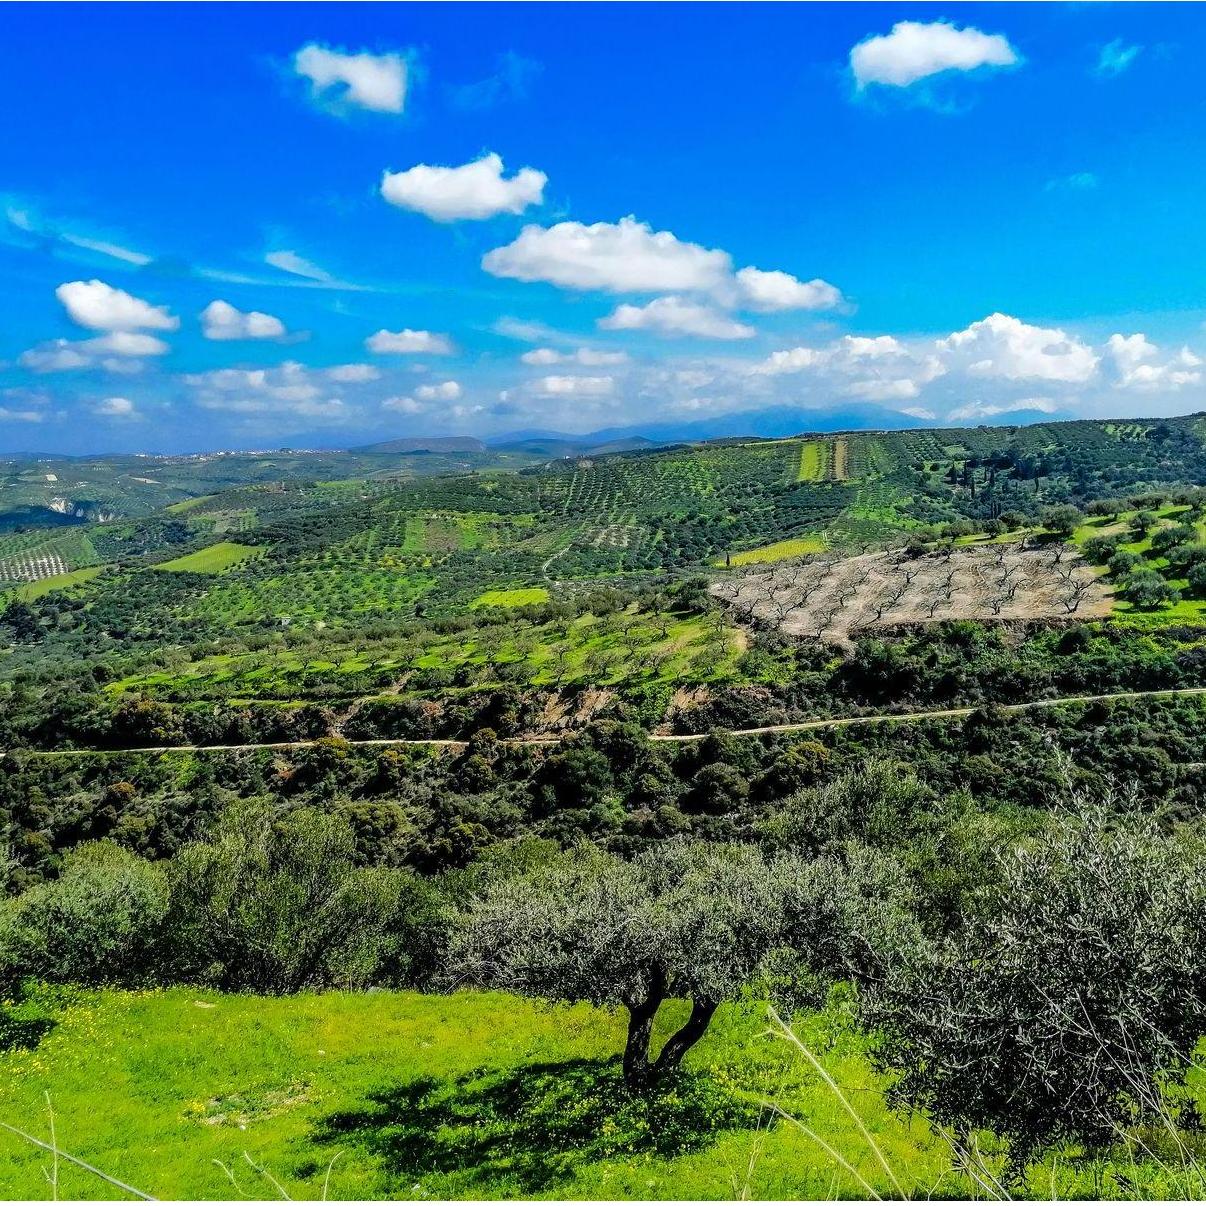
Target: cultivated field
(828, 599)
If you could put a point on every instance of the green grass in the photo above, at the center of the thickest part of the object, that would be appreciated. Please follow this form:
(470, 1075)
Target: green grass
(30, 591)
(814, 460)
(524, 597)
(212, 560)
(187, 504)
(474, 1095)
(781, 549)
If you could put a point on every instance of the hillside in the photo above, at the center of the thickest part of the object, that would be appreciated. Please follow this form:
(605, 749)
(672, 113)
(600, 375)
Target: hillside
(830, 705)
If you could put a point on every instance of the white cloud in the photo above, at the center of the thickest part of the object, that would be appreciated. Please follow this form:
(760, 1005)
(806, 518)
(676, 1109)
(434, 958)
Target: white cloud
(1115, 58)
(872, 347)
(676, 316)
(353, 373)
(117, 352)
(592, 387)
(368, 81)
(446, 391)
(1133, 357)
(623, 257)
(289, 389)
(101, 307)
(1003, 346)
(473, 191)
(915, 50)
(987, 410)
(526, 331)
(407, 342)
(405, 404)
(790, 360)
(55, 356)
(879, 390)
(587, 357)
(125, 343)
(296, 265)
(881, 363)
(8, 415)
(116, 408)
(770, 291)
(221, 321)
(918, 412)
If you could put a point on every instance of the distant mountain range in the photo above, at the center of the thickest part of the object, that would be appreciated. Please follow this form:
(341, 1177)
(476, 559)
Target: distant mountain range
(771, 423)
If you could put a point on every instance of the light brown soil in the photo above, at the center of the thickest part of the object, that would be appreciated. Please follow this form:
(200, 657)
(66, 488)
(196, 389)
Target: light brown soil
(829, 599)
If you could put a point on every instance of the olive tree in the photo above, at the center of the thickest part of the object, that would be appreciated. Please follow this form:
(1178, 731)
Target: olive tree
(1071, 998)
(692, 920)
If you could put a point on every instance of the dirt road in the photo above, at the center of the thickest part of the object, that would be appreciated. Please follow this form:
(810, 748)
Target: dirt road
(796, 727)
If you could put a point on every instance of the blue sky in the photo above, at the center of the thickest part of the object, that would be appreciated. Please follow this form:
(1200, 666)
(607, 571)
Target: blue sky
(242, 226)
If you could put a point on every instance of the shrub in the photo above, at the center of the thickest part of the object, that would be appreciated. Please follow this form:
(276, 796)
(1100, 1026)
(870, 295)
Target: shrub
(277, 904)
(1197, 578)
(99, 922)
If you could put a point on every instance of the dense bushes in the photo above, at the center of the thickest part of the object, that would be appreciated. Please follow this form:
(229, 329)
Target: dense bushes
(100, 920)
(269, 903)
(1072, 997)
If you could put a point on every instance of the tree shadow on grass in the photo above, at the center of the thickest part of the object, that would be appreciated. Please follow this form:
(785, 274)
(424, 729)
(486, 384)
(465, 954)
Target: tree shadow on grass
(532, 1127)
(21, 1033)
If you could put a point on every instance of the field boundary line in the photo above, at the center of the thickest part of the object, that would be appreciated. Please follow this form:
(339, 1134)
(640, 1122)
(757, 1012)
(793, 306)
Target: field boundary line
(799, 726)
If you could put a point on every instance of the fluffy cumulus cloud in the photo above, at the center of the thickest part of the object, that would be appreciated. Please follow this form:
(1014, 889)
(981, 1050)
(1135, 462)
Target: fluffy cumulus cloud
(116, 352)
(1003, 346)
(407, 342)
(616, 257)
(587, 357)
(445, 391)
(101, 307)
(221, 321)
(676, 316)
(876, 368)
(116, 408)
(475, 190)
(771, 291)
(358, 79)
(290, 389)
(575, 387)
(630, 257)
(916, 50)
(404, 404)
(1141, 366)
(353, 374)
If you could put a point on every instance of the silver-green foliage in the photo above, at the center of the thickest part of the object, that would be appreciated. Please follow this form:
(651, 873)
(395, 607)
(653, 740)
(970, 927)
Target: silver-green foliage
(1069, 1004)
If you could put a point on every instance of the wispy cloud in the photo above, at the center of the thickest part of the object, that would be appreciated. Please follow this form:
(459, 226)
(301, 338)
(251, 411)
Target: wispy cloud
(1115, 58)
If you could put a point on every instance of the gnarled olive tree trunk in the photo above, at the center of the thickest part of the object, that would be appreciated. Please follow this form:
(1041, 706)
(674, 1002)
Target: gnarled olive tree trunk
(642, 1073)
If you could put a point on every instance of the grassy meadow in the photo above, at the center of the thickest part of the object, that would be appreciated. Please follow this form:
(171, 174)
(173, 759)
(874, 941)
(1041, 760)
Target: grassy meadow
(188, 1093)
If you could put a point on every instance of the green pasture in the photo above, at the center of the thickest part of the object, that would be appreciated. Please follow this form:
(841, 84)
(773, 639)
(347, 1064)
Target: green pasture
(212, 560)
(187, 1093)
